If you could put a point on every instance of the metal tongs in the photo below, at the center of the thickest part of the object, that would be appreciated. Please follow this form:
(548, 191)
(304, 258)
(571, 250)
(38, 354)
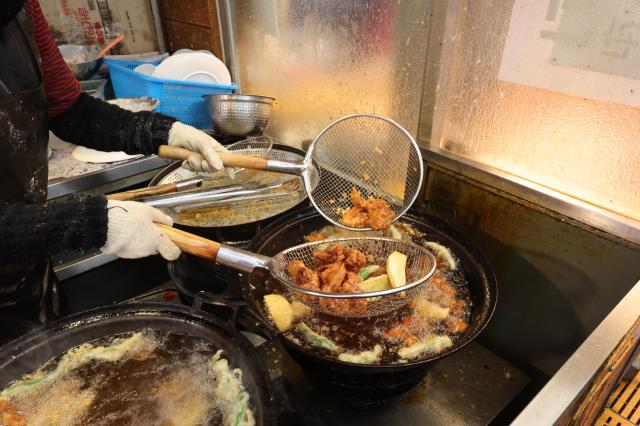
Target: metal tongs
(208, 198)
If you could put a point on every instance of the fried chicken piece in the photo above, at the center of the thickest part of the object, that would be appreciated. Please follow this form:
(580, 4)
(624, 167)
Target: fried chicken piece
(373, 212)
(9, 414)
(303, 276)
(380, 214)
(458, 307)
(455, 325)
(315, 237)
(402, 332)
(331, 277)
(294, 266)
(333, 254)
(356, 217)
(357, 199)
(346, 306)
(354, 259)
(353, 279)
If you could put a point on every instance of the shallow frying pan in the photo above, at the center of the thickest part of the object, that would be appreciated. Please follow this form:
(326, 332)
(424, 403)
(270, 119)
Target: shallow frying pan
(241, 233)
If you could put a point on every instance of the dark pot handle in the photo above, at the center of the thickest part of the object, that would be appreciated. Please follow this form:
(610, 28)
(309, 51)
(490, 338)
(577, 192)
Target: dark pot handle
(235, 314)
(251, 321)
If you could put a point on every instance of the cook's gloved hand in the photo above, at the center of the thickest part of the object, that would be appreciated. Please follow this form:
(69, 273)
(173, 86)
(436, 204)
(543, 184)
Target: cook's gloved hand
(183, 136)
(131, 232)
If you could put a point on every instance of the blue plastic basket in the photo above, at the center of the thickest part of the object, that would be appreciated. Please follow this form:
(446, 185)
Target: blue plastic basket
(179, 99)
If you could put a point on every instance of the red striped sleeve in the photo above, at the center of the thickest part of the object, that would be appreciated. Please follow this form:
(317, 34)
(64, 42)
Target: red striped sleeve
(60, 85)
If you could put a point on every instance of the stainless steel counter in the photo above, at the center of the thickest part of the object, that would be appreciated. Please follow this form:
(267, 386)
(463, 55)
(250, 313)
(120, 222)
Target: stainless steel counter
(68, 175)
(570, 381)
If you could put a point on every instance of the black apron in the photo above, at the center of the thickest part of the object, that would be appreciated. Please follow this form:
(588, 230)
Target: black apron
(26, 290)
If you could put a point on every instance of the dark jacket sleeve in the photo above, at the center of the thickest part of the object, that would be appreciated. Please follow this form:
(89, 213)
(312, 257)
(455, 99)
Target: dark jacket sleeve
(8, 10)
(99, 125)
(35, 232)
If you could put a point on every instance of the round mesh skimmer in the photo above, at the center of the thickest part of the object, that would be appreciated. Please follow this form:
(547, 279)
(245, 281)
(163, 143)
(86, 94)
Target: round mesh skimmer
(373, 154)
(365, 152)
(420, 266)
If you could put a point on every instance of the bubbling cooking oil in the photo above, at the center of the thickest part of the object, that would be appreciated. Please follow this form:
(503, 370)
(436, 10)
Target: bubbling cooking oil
(160, 379)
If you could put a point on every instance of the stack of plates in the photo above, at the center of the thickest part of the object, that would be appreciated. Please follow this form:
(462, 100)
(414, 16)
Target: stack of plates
(188, 65)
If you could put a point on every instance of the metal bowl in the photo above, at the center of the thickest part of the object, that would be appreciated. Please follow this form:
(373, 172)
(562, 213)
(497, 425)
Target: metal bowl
(83, 61)
(239, 115)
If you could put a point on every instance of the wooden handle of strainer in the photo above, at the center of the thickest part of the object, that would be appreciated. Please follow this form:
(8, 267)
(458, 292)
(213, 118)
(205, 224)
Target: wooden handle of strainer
(228, 159)
(192, 244)
(135, 194)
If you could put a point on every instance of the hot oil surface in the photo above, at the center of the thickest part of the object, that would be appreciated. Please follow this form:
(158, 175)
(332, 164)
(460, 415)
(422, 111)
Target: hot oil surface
(138, 391)
(355, 335)
(166, 382)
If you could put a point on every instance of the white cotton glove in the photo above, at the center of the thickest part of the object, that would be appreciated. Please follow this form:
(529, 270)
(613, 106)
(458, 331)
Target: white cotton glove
(184, 136)
(131, 232)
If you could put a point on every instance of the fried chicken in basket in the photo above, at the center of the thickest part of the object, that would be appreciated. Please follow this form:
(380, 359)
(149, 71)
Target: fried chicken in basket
(373, 212)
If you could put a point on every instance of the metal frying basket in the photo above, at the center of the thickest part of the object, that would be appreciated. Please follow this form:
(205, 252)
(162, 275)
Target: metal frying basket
(421, 265)
(371, 153)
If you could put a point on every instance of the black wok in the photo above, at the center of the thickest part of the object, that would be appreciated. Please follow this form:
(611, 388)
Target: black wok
(36, 348)
(355, 382)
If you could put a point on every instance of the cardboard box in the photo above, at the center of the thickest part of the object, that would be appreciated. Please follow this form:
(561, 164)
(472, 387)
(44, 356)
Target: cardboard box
(96, 22)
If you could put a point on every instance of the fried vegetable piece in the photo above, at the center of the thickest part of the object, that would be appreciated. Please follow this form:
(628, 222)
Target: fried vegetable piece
(366, 357)
(316, 339)
(431, 344)
(396, 269)
(279, 310)
(381, 282)
(373, 212)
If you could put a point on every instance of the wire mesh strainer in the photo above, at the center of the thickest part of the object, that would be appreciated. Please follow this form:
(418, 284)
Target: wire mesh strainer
(373, 154)
(421, 265)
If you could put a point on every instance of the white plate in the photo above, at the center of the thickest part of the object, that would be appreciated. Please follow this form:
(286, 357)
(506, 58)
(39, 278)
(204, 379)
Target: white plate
(146, 69)
(197, 67)
(181, 51)
(88, 155)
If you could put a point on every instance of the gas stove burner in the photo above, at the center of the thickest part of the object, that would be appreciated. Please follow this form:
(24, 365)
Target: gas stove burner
(193, 276)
